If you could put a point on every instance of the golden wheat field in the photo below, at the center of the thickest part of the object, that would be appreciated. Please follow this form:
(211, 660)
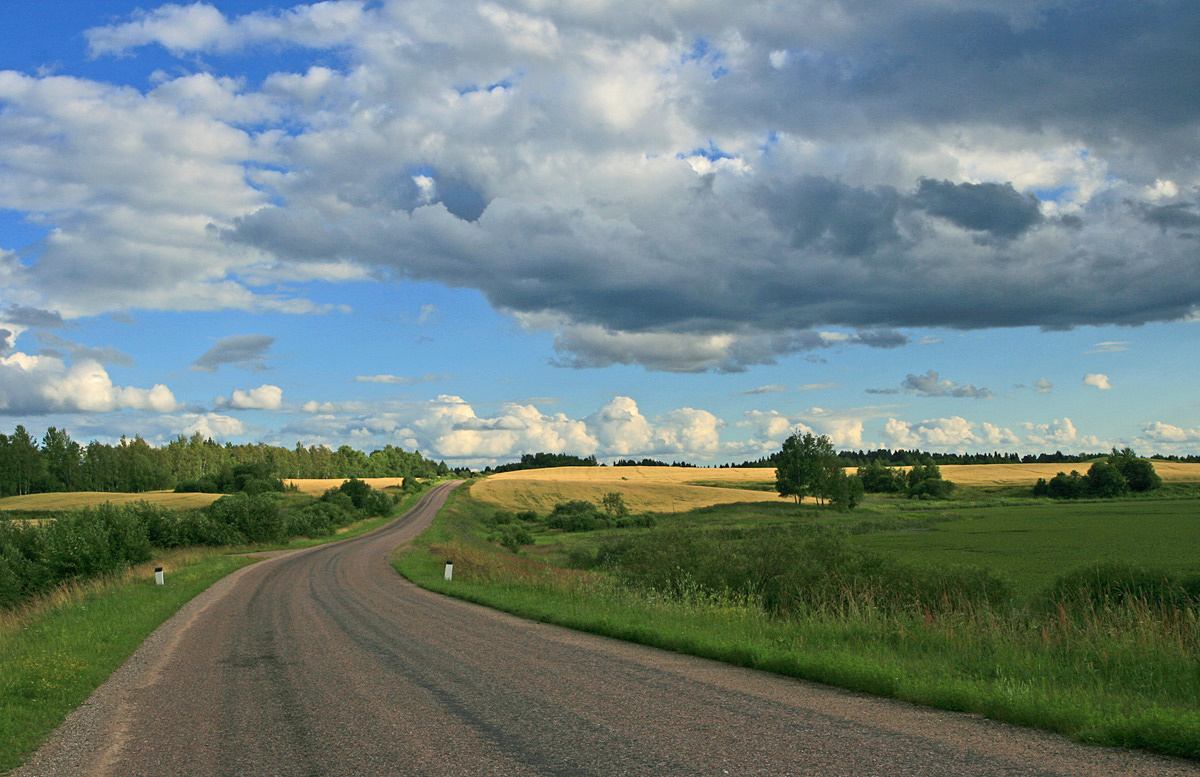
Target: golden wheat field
(318, 486)
(666, 489)
(74, 500)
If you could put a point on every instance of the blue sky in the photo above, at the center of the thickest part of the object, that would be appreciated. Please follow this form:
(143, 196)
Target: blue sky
(482, 229)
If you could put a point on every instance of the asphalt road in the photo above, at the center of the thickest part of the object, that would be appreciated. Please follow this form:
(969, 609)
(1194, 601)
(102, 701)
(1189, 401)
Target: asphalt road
(326, 662)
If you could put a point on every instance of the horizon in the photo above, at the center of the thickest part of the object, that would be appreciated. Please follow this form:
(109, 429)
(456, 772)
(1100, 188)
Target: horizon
(479, 230)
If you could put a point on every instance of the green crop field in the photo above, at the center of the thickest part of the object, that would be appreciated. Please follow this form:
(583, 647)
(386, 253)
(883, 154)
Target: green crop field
(1032, 544)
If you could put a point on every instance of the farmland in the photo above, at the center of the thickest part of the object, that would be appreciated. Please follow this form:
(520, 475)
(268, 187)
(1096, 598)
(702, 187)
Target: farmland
(983, 603)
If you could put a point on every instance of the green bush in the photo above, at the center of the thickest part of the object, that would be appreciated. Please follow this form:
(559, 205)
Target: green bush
(255, 518)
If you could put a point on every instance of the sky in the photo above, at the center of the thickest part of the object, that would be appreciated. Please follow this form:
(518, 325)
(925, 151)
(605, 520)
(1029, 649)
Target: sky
(679, 230)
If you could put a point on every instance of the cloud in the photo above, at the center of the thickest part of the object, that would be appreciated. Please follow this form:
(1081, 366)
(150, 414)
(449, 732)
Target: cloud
(23, 316)
(931, 385)
(211, 426)
(772, 389)
(265, 397)
(1061, 434)
(998, 209)
(1159, 432)
(245, 351)
(37, 385)
(1111, 346)
(396, 380)
(1042, 386)
(1096, 379)
(689, 188)
(947, 434)
(818, 386)
(104, 355)
(199, 27)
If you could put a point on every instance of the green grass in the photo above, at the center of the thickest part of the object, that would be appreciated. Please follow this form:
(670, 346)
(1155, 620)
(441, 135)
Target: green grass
(1127, 676)
(1031, 545)
(57, 654)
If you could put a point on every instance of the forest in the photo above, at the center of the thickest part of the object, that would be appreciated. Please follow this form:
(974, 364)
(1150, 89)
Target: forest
(58, 463)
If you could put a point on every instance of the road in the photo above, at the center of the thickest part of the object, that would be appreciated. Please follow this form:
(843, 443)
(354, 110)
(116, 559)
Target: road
(326, 662)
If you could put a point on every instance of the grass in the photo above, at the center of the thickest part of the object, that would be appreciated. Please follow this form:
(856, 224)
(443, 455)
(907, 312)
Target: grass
(61, 648)
(57, 649)
(1127, 675)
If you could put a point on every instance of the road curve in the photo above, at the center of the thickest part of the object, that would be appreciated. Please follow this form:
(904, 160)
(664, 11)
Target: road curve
(326, 662)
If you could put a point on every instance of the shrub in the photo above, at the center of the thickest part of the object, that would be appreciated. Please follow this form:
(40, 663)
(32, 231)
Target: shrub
(878, 478)
(1064, 486)
(513, 536)
(256, 518)
(576, 515)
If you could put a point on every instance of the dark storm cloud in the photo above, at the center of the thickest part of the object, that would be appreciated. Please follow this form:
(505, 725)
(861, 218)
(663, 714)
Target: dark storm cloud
(847, 220)
(21, 315)
(1103, 71)
(245, 351)
(1179, 215)
(986, 207)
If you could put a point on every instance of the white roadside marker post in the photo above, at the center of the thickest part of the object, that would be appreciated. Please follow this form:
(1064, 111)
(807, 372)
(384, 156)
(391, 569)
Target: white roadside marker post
(158, 576)
(449, 570)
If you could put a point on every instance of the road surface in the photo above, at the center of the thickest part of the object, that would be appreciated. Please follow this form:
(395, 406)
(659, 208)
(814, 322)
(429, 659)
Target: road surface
(326, 662)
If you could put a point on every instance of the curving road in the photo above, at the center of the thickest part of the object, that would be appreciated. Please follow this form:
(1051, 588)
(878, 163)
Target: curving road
(325, 662)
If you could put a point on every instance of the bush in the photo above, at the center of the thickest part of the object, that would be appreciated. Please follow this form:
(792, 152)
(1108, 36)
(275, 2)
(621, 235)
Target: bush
(513, 536)
(1064, 486)
(1104, 480)
(933, 488)
(576, 515)
(255, 518)
(878, 478)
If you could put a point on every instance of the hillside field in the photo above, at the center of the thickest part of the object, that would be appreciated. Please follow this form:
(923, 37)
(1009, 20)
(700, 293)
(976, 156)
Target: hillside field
(676, 489)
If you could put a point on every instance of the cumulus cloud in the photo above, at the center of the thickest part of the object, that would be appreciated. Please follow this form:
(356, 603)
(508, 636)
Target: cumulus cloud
(692, 187)
(1061, 434)
(1096, 379)
(932, 385)
(1159, 432)
(245, 351)
(265, 397)
(35, 385)
(1042, 386)
(947, 434)
(24, 316)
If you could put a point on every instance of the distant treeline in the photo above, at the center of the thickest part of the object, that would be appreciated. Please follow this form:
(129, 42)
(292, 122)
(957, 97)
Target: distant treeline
(907, 458)
(59, 463)
(543, 460)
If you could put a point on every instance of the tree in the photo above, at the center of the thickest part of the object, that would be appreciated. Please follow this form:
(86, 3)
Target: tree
(802, 466)
(1105, 480)
(1138, 472)
(614, 504)
(879, 478)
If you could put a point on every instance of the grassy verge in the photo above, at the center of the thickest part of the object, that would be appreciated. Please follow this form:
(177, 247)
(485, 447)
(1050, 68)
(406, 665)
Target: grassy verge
(1126, 676)
(58, 648)
(62, 647)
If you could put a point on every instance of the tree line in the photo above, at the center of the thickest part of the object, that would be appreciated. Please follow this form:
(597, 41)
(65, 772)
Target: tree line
(58, 463)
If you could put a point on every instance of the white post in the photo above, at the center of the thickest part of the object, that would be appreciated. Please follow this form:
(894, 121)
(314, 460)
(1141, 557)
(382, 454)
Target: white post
(158, 576)
(449, 570)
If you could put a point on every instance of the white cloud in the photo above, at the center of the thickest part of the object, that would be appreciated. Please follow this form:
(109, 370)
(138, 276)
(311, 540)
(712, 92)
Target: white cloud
(36, 385)
(1098, 380)
(265, 397)
(1061, 434)
(1159, 432)
(211, 425)
(1110, 346)
(947, 434)
(1043, 386)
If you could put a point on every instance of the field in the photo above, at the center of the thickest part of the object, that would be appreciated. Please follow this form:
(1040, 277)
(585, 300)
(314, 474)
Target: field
(1030, 545)
(74, 500)
(661, 489)
(678, 489)
(318, 486)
